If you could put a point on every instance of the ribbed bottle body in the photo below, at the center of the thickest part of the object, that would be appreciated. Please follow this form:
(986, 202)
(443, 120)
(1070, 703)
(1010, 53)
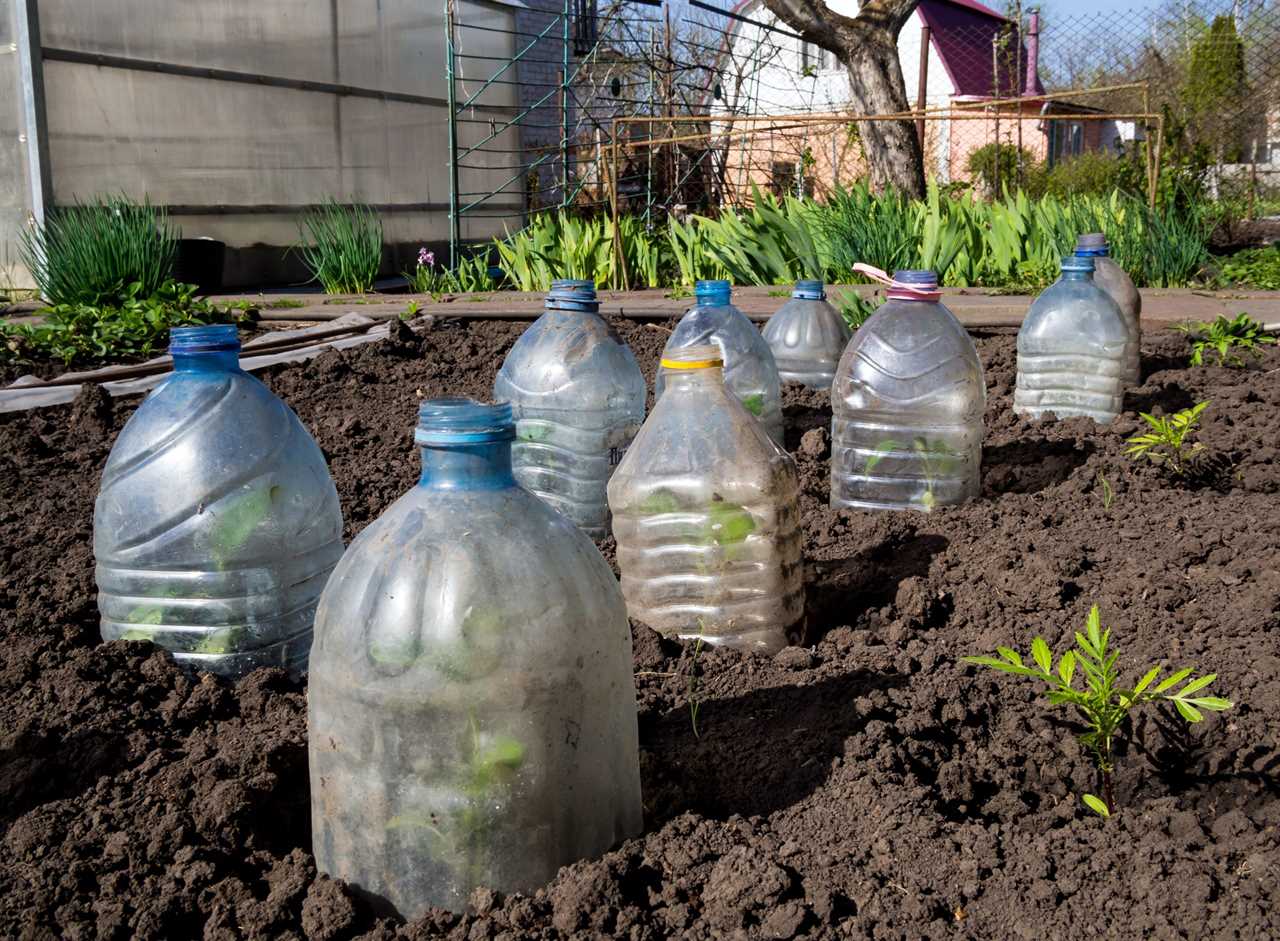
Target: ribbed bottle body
(216, 526)
(907, 412)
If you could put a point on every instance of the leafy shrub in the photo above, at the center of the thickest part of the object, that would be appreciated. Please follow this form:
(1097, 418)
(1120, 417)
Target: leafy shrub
(1103, 704)
(76, 334)
(1224, 337)
(101, 252)
(1254, 267)
(1091, 173)
(984, 163)
(342, 247)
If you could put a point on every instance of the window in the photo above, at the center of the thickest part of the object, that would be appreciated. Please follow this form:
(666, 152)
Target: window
(814, 58)
(1068, 139)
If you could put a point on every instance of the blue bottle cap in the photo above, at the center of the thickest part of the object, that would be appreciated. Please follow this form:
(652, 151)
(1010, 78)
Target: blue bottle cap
(571, 294)
(1078, 263)
(213, 338)
(809, 291)
(459, 421)
(712, 293)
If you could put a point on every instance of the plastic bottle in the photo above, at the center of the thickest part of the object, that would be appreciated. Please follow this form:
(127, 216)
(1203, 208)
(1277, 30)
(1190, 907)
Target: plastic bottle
(749, 368)
(1112, 278)
(807, 336)
(217, 523)
(578, 395)
(472, 713)
(907, 406)
(1071, 349)
(706, 518)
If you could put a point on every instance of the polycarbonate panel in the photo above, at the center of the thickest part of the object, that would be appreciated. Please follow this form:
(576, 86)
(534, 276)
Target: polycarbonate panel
(14, 198)
(287, 38)
(187, 141)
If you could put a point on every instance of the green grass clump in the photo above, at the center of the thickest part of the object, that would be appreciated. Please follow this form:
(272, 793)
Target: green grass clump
(342, 247)
(101, 253)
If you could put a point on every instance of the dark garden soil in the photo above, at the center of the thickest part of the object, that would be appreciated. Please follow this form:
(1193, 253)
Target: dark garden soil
(869, 786)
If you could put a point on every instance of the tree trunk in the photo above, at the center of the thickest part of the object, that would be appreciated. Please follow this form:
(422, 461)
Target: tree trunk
(894, 158)
(867, 45)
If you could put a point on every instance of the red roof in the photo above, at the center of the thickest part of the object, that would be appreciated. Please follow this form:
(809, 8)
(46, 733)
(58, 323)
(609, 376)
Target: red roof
(962, 33)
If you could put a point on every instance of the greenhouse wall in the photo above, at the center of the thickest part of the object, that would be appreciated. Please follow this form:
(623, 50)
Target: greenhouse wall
(237, 155)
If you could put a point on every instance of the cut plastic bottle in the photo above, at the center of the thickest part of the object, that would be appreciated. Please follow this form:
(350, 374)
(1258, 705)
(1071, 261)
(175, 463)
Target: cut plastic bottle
(807, 336)
(750, 372)
(1115, 281)
(217, 523)
(472, 713)
(706, 519)
(578, 397)
(907, 406)
(1072, 350)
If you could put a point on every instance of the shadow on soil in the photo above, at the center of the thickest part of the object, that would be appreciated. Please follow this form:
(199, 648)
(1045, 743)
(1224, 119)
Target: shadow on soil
(754, 753)
(1165, 399)
(1030, 466)
(838, 590)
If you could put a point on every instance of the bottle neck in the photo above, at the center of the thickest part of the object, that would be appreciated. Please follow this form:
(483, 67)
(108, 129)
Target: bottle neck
(1074, 275)
(677, 380)
(207, 362)
(712, 300)
(484, 466)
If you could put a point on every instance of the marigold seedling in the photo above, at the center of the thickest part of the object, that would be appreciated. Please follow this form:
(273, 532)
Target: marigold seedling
(1103, 703)
(1167, 442)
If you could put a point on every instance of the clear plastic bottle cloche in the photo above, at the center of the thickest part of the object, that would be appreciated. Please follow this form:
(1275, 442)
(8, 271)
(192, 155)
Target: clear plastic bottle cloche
(706, 518)
(1072, 349)
(750, 372)
(807, 336)
(907, 406)
(578, 398)
(1115, 281)
(472, 713)
(216, 524)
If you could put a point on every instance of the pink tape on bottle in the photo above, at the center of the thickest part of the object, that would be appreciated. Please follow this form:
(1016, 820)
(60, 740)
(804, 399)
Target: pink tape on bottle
(898, 290)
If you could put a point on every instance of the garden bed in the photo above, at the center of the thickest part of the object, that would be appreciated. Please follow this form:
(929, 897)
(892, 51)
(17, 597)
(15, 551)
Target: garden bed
(871, 786)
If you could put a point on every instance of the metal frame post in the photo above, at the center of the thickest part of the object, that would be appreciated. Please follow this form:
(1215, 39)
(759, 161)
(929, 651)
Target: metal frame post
(34, 115)
(564, 106)
(455, 225)
(922, 84)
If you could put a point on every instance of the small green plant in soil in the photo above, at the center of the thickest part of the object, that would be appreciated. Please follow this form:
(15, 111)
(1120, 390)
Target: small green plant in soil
(1231, 340)
(1105, 489)
(1103, 703)
(1167, 443)
(936, 458)
(342, 247)
(457, 830)
(83, 333)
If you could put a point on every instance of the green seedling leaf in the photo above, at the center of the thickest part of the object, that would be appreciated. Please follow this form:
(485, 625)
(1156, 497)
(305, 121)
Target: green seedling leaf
(1189, 712)
(1040, 653)
(528, 431)
(728, 524)
(754, 404)
(1174, 680)
(1067, 667)
(1096, 804)
(997, 664)
(1211, 703)
(1146, 681)
(1011, 655)
(222, 641)
(240, 516)
(1196, 684)
(658, 503)
(883, 450)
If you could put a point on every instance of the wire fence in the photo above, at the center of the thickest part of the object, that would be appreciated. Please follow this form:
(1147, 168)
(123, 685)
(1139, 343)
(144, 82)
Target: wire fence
(692, 95)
